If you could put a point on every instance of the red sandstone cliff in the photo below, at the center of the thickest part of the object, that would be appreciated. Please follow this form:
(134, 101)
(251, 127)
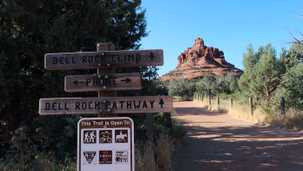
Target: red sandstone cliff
(199, 61)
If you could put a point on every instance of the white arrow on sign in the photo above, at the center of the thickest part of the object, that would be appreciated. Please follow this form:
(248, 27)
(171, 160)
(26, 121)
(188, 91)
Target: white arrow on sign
(113, 82)
(94, 105)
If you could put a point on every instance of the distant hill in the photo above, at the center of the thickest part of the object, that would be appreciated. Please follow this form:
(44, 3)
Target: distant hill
(200, 60)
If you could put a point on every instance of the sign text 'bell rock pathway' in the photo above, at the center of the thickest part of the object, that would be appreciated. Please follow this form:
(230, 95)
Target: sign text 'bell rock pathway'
(94, 105)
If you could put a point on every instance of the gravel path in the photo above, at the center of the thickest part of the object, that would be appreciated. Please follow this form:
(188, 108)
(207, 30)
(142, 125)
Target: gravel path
(216, 141)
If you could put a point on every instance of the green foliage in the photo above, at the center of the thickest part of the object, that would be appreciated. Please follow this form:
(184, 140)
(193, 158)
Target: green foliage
(227, 84)
(268, 79)
(292, 87)
(293, 56)
(28, 30)
(217, 85)
(177, 132)
(154, 87)
(182, 88)
(41, 162)
(207, 84)
(262, 75)
(250, 59)
(266, 75)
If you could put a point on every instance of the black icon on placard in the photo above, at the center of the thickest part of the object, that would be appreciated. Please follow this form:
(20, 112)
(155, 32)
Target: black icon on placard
(121, 136)
(121, 157)
(89, 137)
(89, 156)
(105, 136)
(105, 157)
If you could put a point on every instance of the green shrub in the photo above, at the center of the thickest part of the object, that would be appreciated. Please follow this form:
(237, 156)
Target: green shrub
(182, 88)
(292, 87)
(214, 85)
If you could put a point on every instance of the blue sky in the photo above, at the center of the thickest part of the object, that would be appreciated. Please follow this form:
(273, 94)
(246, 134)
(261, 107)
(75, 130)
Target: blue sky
(230, 25)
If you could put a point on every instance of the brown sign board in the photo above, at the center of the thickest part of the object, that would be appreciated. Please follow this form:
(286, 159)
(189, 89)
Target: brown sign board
(111, 82)
(90, 60)
(94, 105)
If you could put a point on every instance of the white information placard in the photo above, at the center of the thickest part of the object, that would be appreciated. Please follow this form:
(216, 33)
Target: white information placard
(105, 144)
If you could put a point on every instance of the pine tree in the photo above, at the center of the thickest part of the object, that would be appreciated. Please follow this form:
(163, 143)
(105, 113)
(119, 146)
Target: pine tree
(292, 87)
(249, 61)
(266, 75)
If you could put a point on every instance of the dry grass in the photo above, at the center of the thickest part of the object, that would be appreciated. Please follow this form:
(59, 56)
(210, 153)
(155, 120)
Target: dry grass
(164, 151)
(244, 112)
(236, 110)
(152, 156)
(293, 119)
(155, 156)
(145, 161)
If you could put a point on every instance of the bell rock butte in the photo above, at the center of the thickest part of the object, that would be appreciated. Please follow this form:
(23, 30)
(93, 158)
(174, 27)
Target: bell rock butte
(201, 60)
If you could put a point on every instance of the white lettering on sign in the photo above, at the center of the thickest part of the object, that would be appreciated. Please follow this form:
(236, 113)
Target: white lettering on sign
(111, 82)
(136, 104)
(105, 144)
(87, 60)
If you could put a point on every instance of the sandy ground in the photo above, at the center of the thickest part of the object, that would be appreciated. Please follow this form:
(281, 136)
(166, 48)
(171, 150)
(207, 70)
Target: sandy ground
(216, 141)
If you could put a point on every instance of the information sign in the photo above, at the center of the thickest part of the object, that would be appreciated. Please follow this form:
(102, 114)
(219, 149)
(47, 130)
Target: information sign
(105, 144)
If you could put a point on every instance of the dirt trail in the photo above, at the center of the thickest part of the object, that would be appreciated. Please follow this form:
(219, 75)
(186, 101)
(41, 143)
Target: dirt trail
(216, 141)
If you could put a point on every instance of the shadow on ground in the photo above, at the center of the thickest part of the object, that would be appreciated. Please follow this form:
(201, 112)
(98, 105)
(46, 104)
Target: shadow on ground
(195, 111)
(230, 148)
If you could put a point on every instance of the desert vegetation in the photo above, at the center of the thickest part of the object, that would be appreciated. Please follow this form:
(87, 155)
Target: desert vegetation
(271, 83)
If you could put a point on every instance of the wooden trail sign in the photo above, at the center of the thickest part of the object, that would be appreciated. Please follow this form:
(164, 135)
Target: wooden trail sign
(90, 60)
(94, 105)
(112, 82)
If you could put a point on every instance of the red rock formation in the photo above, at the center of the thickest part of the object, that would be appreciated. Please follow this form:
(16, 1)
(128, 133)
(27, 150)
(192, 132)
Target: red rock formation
(201, 60)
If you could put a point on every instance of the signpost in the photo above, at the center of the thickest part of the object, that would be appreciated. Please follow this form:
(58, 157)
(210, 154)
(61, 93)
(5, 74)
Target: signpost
(94, 105)
(114, 82)
(90, 60)
(105, 144)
